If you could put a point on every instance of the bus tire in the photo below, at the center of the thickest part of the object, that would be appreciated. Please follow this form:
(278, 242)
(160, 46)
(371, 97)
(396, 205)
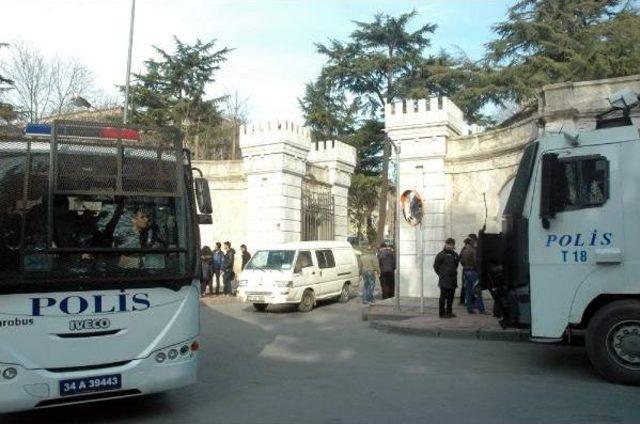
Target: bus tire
(307, 301)
(612, 341)
(260, 307)
(345, 294)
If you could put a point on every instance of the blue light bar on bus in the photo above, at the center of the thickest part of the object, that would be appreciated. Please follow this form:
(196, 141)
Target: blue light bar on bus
(40, 130)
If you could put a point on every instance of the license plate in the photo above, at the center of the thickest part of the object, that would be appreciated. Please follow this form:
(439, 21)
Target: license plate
(99, 383)
(255, 298)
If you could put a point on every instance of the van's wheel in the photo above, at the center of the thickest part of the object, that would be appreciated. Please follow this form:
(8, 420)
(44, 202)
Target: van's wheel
(260, 307)
(613, 342)
(345, 294)
(307, 301)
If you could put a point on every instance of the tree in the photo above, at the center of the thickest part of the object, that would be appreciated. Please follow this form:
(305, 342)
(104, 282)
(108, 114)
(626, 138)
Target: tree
(69, 79)
(235, 110)
(31, 77)
(7, 112)
(368, 140)
(549, 41)
(363, 194)
(327, 111)
(171, 90)
(373, 65)
(43, 87)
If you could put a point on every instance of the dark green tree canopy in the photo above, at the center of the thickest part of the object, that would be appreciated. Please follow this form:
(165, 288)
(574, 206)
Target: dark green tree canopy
(327, 111)
(549, 41)
(377, 57)
(171, 90)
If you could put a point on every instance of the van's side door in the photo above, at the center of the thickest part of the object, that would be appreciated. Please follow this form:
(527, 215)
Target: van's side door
(328, 272)
(305, 273)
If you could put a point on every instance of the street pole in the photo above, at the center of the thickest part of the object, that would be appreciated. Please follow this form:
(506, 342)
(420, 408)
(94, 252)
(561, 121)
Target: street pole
(396, 226)
(420, 240)
(126, 88)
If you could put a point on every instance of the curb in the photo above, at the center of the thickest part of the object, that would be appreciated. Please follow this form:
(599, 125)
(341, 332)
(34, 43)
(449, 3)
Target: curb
(512, 335)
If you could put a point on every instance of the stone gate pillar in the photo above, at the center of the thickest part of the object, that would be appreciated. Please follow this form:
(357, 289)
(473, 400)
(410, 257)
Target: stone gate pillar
(274, 161)
(339, 159)
(421, 128)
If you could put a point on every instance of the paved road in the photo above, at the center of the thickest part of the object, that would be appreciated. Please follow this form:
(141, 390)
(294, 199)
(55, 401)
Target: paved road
(329, 367)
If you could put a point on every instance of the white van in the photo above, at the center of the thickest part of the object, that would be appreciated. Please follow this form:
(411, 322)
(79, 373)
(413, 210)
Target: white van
(300, 273)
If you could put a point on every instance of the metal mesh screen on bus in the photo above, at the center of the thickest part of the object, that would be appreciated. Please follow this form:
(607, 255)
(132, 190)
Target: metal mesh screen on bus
(89, 164)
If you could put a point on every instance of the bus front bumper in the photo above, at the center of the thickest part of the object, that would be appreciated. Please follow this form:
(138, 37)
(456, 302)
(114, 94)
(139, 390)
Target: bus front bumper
(41, 388)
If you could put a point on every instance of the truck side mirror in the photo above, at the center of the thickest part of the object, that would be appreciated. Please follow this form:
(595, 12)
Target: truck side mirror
(203, 196)
(550, 166)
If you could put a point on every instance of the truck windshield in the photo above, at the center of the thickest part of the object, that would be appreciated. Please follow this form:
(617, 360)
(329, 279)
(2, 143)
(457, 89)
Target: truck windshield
(518, 195)
(279, 260)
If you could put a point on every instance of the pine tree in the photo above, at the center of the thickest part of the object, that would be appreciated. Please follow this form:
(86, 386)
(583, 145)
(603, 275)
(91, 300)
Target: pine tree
(372, 65)
(171, 91)
(549, 41)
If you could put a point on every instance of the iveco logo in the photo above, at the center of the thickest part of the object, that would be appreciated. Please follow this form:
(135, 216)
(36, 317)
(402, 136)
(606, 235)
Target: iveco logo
(89, 324)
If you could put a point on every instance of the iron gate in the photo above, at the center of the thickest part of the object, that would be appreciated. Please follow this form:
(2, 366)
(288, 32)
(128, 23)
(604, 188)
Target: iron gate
(317, 212)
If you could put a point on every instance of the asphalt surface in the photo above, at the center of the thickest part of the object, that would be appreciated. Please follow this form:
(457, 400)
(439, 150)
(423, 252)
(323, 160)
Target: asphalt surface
(328, 366)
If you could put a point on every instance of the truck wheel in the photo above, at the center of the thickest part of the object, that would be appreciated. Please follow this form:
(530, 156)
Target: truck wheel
(345, 294)
(613, 342)
(307, 301)
(260, 307)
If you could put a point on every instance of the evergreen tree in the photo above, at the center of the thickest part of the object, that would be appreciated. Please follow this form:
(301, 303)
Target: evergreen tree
(372, 65)
(171, 91)
(327, 111)
(549, 41)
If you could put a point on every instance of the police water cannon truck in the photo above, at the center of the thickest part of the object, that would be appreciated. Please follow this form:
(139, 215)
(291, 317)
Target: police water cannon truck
(567, 260)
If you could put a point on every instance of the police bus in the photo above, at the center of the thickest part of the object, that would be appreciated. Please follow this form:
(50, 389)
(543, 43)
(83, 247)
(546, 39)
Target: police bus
(99, 270)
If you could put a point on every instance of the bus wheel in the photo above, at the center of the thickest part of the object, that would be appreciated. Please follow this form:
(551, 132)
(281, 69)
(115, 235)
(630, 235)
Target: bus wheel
(344, 294)
(613, 342)
(260, 307)
(307, 301)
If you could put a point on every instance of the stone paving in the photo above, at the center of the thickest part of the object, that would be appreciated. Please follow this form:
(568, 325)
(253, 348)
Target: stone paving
(408, 320)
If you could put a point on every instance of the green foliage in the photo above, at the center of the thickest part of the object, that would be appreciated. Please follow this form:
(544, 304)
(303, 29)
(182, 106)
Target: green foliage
(327, 111)
(378, 56)
(172, 88)
(550, 41)
(363, 198)
(368, 140)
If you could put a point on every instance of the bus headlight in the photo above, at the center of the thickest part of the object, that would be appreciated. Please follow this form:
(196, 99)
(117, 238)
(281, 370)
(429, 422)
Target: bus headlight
(160, 357)
(242, 283)
(9, 373)
(288, 284)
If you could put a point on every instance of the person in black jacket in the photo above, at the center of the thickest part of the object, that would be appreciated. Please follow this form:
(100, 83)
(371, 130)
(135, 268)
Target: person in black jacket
(227, 268)
(246, 256)
(446, 266)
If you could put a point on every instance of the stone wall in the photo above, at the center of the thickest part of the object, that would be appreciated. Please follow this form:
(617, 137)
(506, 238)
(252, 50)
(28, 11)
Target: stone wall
(228, 187)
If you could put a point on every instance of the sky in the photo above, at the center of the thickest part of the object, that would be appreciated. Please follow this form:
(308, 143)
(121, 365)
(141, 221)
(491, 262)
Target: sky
(274, 40)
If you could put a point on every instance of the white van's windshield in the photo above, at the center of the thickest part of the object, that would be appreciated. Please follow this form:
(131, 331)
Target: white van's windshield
(272, 259)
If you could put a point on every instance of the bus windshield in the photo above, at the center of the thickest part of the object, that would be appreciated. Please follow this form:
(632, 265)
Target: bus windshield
(279, 260)
(84, 228)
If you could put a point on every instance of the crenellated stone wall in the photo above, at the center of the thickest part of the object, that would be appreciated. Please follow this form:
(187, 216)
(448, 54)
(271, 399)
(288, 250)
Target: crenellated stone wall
(257, 200)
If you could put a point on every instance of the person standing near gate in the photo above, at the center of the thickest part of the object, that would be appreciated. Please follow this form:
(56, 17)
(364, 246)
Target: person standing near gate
(246, 256)
(227, 268)
(446, 266)
(216, 262)
(387, 262)
(470, 276)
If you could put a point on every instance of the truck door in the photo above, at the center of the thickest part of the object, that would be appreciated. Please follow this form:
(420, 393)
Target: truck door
(583, 242)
